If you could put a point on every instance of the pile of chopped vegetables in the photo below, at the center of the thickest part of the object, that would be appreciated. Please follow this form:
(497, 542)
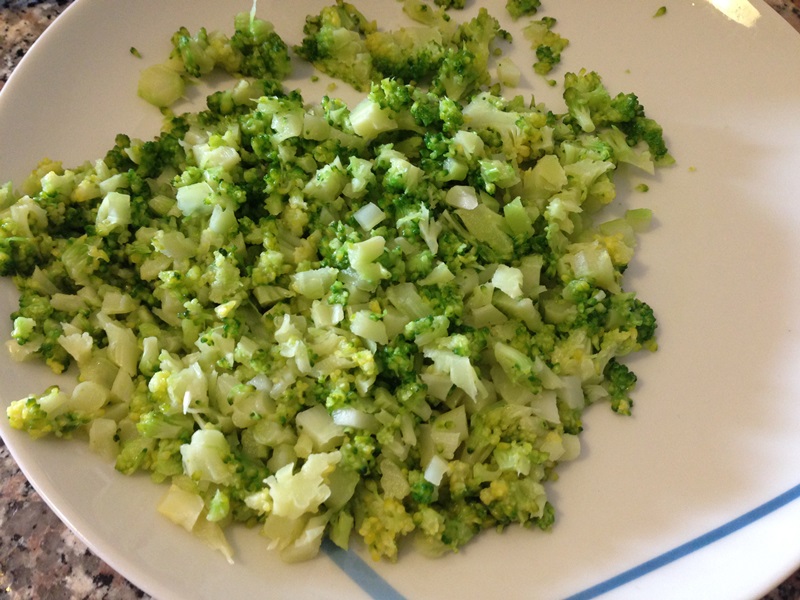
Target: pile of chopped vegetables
(381, 319)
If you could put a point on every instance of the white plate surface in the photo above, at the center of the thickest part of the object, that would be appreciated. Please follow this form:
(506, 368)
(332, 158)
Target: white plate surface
(692, 497)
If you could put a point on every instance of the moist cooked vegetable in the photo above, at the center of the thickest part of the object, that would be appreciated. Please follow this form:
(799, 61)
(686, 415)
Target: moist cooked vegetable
(521, 8)
(546, 44)
(342, 43)
(255, 50)
(382, 319)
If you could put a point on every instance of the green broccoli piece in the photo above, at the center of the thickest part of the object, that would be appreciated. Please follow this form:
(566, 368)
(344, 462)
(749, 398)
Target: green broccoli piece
(18, 255)
(626, 311)
(135, 454)
(459, 74)
(117, 158)
(47, 414)
(264, 55)
(448, 4)
(381, 521)
(337, 113)
(397, 359)
(406, 54)
(511, 500)
(192, 51)
(155, 424)
(254, 50)
(464, 68)
(521, 8)
(152, 157)
(591, 108)
(334, 41)
(546, 43)
(620, 381)
(651, 133)
(422, 491)
(358, 454)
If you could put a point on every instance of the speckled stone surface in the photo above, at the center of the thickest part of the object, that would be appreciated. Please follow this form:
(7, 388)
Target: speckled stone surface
(39, 557)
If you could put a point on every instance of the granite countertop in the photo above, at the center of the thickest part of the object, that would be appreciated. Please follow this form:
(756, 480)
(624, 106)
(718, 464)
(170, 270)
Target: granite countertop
(39, 556)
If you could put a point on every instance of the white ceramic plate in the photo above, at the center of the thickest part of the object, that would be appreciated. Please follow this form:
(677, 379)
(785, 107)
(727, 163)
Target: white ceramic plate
(693, 497)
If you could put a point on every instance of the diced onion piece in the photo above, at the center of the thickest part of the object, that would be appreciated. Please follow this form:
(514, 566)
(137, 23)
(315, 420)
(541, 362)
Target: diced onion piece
(352, 417)
(315, 283)
(436, 470)
(320, 427)
(369, 215)
(509, 280)
(161, 85)
(462, 196)
(181, 507)
(364, 325)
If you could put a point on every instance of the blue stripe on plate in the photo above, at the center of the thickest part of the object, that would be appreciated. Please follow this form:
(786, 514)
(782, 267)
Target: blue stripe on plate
(689, 547)
(360, 572)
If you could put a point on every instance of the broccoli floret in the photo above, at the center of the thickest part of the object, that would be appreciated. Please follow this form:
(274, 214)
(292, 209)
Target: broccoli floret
(336, 113)
(264, 55)
(448, 4)
(135, 454)
(591, 107)
(620, 381)
(153, 157)
(626, 311)
(512, 500)
(464, 68)
(193, 51)
(398, 359)
(381, 521)
(117, 157)
(422, 491)
(334, 42)
(47, 414)
(451, 114)
(254, 50)
(459, 74)
(18, 255)
(406, 54)
(650, 132)
(358, 454)
(521, 8)
(570, 418)
(392, 95)
(463, 522)
(155, 424)
(546, 43)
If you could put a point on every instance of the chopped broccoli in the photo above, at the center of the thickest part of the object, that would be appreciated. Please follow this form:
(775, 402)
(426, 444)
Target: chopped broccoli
(407, 54)
(255, 50)
(464, 69)
(621, 381)
(547, 44)
(323, 319)
(448, 4)
(591, 108)
(521, 8)
(334, 42)
(341, 42)
(264, 55)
